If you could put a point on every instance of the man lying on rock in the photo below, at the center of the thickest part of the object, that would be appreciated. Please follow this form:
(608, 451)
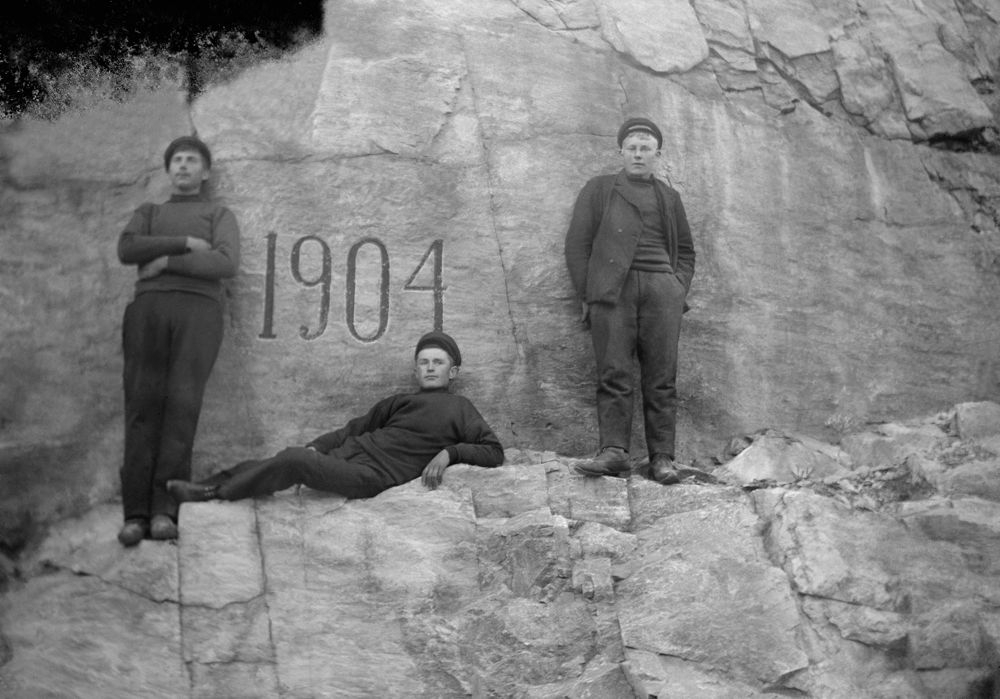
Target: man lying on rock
(401, 438)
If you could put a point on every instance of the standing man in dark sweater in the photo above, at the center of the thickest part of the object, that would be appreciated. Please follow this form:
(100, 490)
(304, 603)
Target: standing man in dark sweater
(400, 438)
(631, 259)
(171, 334)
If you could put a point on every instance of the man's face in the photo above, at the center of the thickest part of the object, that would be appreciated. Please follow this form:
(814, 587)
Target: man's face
(640, 154)
(187, 171)
(433, 368)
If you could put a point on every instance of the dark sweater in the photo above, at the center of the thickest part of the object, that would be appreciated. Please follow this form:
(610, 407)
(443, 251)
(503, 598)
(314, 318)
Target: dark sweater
(403, 433)
(156, 230)
(651, 249)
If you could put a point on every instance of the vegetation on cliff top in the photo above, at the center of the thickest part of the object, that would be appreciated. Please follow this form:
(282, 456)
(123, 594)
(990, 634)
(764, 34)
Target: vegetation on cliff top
(57, 55)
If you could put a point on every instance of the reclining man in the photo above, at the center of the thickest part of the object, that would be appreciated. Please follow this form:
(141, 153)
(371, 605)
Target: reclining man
(400, 438)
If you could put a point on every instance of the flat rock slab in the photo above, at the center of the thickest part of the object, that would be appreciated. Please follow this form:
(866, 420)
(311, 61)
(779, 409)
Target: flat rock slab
(527, 580)
(705, 592)
(75, 635)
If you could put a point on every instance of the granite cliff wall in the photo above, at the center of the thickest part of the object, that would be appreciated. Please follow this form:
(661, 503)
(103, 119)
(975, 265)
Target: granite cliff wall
(867, 570)
(418, 164)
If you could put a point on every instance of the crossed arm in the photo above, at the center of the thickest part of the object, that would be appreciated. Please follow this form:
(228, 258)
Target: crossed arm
(214, 255)
(158, 264)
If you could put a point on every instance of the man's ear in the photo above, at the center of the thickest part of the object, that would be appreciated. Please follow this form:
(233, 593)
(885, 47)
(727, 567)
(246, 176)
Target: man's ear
(453, 371)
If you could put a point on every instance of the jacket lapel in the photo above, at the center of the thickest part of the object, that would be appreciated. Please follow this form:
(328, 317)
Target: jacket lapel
(621, 186)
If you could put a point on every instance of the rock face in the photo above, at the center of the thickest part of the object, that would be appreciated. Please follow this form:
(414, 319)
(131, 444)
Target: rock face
(530, 581)
(417, 166)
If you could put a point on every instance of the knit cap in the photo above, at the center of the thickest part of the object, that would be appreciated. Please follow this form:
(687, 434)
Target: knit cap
(436, 338)
(187, 143)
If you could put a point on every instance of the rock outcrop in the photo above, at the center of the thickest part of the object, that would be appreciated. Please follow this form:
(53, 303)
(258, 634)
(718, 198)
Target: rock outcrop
(417, 165)
(877, 579)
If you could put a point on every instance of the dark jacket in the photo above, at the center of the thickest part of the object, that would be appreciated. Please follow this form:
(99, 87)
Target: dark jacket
(605, 229)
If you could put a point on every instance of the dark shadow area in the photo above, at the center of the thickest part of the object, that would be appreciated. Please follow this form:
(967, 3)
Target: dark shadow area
(983, 140)
(52, 49)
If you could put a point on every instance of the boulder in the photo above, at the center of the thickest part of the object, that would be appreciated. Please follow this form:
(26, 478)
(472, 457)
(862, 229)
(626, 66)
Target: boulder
(776, 458)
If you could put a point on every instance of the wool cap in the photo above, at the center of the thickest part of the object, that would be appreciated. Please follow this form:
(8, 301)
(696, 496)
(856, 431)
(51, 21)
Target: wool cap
(187, 143)
(640, 124)
(436, 338)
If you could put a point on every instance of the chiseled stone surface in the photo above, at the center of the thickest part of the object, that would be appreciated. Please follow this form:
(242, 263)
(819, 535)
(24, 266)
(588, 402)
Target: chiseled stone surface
(501, 492)
(87, 546)
(710, 564)
(846, 278)
(977, 421)
(876, 583)
(913, 577)
(665, 36)
(80, 636)
(224, 537)
(657, 675)
(419, 161)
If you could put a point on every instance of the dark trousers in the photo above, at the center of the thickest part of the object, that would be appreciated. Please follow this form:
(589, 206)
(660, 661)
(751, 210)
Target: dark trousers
(346, 473)
(170, 341)
(645, 323)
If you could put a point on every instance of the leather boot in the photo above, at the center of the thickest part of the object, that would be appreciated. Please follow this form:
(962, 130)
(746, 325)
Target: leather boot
(663, 470)
(133, 531)
(612, 461)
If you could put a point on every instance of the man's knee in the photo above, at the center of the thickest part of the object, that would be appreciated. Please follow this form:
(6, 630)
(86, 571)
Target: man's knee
(296, 454)
(296, 462)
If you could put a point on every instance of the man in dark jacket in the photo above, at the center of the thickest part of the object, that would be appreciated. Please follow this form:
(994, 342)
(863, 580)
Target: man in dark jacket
(631, 259)
(400, 438)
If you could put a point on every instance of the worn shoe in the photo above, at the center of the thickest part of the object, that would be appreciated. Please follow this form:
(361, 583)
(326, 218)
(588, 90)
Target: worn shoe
(162, 527)
(663, 470)
(133, 531)
(185, 491)
(612, 461)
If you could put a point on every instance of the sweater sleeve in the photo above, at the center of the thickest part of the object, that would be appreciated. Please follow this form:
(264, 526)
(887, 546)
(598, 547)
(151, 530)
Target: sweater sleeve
(374, 419)
(479, 445)
(222, 261)
(136, 244)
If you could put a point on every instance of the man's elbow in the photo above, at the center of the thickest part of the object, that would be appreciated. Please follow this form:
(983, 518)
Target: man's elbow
(125, 254)
(228, 267)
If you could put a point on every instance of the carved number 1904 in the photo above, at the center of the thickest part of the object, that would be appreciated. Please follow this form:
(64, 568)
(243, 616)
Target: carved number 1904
(325, 277)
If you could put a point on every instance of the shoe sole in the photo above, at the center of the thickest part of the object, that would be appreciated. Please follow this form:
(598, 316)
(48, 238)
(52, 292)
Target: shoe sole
(163, 535)
(130, 541)
(687, 474)
(594, 472)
